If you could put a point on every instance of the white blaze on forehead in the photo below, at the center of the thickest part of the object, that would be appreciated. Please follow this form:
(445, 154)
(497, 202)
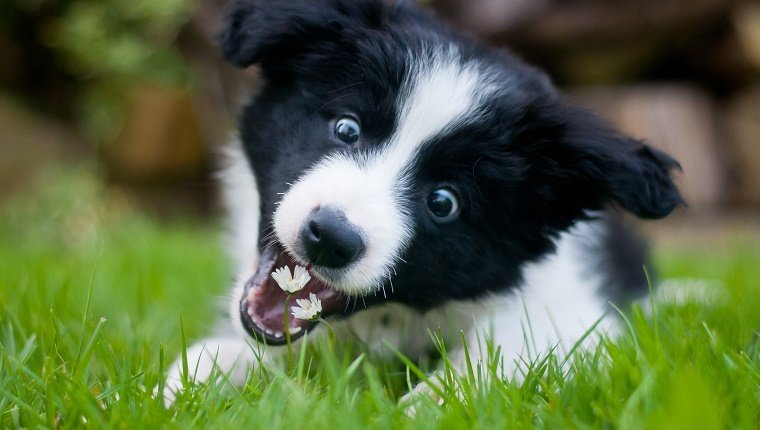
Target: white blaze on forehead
(439, 93)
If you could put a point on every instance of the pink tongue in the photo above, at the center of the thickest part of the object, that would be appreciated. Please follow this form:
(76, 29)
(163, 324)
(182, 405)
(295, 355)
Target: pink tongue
(269, 305)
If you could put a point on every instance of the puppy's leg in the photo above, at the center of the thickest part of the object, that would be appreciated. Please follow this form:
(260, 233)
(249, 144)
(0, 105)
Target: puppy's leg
(530, 325)
(560, 300)
(231, 356)
(523, 327)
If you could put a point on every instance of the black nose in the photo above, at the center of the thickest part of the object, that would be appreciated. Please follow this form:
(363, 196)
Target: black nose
(330, 240)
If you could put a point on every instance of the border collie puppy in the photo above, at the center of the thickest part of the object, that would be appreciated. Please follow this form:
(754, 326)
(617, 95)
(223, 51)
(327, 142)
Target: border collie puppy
(427, 182)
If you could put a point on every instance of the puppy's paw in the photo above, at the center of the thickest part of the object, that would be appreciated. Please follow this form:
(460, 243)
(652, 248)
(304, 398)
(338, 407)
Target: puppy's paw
(232, 357)
(422, 391)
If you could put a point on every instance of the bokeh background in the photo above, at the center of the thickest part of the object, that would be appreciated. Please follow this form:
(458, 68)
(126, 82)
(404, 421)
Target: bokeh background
(132, 99)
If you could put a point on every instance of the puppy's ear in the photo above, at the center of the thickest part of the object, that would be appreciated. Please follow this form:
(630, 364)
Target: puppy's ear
(581, 161)
(267, 30)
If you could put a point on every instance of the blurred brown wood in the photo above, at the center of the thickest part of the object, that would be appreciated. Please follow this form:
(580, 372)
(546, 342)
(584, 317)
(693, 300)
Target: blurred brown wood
(597, 41)
(741, 126)
(161, 139)
(29, 143)
(579, 22)
(746, 21)
(487, 17)
(676, 118)
(11, 62)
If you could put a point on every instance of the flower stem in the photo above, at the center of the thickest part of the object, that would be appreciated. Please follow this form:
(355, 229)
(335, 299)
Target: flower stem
(330, 332)
(287, 333)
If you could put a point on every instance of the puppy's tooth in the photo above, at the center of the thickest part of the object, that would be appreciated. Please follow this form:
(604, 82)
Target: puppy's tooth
(251, 314)
(295, 330)
(278, 334)
(268, 331)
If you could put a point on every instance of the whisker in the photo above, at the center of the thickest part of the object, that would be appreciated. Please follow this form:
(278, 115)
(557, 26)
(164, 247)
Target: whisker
(343, 88)
(331, 101)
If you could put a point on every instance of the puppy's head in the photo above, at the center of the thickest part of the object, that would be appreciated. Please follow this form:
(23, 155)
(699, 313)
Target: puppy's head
(399, 161)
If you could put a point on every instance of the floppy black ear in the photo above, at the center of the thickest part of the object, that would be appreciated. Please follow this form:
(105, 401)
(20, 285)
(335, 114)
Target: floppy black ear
(581, 161)
(263, 30)
(644, 185)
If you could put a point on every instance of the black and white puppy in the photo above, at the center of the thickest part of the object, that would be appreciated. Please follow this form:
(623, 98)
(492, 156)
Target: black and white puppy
(426, 181)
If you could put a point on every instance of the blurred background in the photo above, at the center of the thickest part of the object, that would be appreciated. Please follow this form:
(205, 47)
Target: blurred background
(132, 95)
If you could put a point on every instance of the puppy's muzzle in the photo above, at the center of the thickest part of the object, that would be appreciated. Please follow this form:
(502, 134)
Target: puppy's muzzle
(330, 239)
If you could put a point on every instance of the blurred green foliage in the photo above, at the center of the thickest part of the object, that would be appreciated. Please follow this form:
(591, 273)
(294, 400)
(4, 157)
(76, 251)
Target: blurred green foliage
(114, 44)
(123, 39)
(102, 48)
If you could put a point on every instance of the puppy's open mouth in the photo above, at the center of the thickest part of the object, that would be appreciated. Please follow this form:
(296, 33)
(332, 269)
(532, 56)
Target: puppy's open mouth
(263, 308)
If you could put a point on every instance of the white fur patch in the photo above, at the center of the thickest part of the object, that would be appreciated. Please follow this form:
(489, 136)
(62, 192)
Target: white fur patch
(241, 198)
(558, 302)
(440, 92)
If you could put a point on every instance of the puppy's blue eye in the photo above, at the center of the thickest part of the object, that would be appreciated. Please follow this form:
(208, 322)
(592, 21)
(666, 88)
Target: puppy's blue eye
(443, 205)
(347, 130)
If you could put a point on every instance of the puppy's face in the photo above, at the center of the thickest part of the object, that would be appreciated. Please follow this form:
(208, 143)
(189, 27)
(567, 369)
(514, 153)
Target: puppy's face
(399, 162)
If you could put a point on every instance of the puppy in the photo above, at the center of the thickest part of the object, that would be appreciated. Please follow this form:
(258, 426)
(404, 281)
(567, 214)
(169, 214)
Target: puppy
(427, 182)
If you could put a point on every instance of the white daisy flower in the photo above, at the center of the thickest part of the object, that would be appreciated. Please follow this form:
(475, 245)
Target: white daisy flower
(291, 283)
(308, 310)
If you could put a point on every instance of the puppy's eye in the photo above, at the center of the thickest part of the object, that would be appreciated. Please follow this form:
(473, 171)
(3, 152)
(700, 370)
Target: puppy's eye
(443, 205)
(347, 130)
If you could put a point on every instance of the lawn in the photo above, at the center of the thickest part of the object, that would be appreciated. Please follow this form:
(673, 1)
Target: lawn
(95, 299)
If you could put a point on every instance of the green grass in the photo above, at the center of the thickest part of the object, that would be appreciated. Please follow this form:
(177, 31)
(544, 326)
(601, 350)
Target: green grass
(91, 296)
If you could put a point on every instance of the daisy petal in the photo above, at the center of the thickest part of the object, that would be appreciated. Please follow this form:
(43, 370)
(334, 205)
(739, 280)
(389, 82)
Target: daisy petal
(309, 310)
(291, 282)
